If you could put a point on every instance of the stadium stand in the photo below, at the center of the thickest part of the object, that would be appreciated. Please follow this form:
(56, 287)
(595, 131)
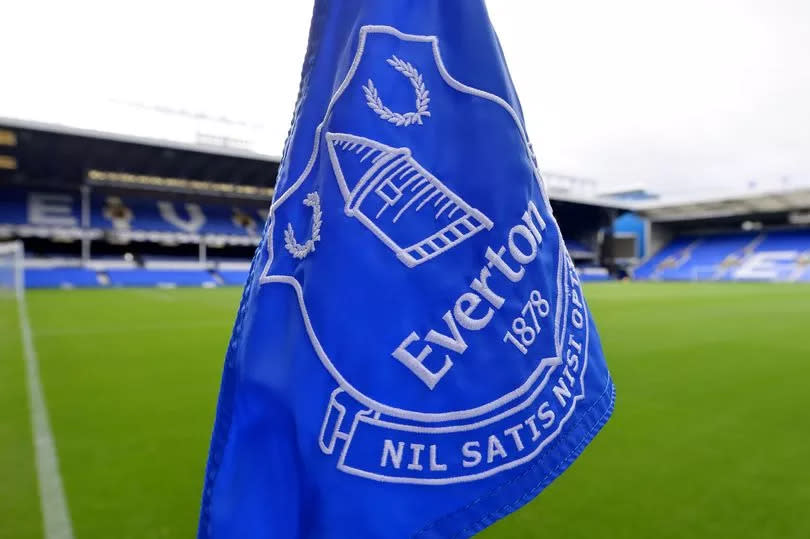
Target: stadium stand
(117, 218)
(101, 210)
(776, 255)
(95, 210)
(62, 209)
(55, 214)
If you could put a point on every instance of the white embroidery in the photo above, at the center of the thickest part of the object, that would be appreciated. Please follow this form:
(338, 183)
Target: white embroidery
(267, 277)
(302, 250)
(375, 103)
(465, 420)
(395, 178)
(452, 82)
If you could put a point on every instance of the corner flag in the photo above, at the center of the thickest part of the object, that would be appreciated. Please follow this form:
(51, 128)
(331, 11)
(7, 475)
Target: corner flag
(413, 355)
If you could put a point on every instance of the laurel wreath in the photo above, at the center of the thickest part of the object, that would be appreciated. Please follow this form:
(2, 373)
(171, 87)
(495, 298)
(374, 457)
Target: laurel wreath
(376, 104)
(299, 250)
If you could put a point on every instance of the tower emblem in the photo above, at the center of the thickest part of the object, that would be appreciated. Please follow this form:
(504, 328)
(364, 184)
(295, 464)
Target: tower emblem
(395, 189)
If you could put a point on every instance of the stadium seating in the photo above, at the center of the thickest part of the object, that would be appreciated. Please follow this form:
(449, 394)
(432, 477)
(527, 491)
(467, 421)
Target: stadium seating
(164, 216)
(786, 240)
(111, 213)
(52, 213)
(781, 255)
(667, 256)
(48, 209)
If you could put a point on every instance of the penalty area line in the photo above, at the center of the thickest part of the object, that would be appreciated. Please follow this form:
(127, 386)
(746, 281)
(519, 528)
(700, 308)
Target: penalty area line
(55, 516)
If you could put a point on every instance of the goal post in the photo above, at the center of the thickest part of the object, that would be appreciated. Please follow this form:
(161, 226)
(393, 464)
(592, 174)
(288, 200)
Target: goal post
(12, 276)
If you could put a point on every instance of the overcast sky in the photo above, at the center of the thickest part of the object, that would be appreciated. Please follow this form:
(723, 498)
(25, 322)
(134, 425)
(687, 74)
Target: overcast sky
(674, 95)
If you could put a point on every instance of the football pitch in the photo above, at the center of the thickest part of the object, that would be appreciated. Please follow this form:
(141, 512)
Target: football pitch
(710, 437)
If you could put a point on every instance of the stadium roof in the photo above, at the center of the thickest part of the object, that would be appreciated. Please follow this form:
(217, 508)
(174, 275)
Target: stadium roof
(201, 162)
(213, 149)
(54, 155)
(768, 199)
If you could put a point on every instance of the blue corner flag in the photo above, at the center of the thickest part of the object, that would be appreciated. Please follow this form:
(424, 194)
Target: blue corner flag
(413, 355)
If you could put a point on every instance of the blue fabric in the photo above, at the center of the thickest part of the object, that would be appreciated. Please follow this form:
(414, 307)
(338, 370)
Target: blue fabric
(413, 355)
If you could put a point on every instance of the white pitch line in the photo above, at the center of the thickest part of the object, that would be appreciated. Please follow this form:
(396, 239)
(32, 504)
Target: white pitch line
(55, 516)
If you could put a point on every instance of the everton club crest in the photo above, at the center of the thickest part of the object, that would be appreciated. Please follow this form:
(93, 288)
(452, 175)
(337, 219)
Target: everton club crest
(432, 280)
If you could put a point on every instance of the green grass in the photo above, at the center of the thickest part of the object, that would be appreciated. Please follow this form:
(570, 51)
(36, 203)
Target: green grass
(711, 433)
(710, 437)
(131, 379)
(19, 505)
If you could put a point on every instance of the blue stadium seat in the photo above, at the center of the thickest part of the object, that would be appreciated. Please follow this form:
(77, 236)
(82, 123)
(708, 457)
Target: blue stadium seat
(671, 250)
(704, 256)
(62, 208)
(13, 207)
(146, 215)
(736, 256)
(786, 240)
(39, 207)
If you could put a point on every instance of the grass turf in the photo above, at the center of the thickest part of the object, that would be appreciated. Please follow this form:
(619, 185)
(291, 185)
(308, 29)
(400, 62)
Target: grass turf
(19, 504)
(709, 439)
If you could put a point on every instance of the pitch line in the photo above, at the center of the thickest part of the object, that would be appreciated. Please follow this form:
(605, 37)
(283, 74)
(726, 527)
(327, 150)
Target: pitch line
(55, 516)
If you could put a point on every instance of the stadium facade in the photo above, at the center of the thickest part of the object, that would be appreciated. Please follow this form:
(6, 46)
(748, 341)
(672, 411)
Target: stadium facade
(101, 210)
(759, 233)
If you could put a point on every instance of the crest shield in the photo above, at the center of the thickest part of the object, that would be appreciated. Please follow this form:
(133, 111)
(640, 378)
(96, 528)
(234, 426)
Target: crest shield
(409, 212)
(434, 288)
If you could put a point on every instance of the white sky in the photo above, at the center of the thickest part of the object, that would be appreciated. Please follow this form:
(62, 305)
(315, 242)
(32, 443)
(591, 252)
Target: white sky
(674, 95)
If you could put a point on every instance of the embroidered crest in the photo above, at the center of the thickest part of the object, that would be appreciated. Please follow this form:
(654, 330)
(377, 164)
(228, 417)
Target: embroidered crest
(442, 305)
